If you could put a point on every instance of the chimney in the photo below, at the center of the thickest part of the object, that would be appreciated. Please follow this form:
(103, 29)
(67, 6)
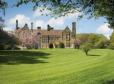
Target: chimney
(31, 25)
(49, 27)
(17, 25)
(39, 28)
(73, 29)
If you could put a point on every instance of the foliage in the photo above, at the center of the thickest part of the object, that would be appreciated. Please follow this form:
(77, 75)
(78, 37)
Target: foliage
(7, 41)
(97, 40)
(93, 38)
(56, 45)
(51, 45)
(3, 6)
(83, 37)
(93, 8)
(61, 45)
(28, 46)
(111, 45)
(102, 44)
(112, 37)
(87, 47)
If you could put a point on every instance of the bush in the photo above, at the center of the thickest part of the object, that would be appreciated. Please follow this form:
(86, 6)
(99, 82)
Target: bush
(1, 47)
(100, 44)
(87, 47)
(29, 46)
(111, 46)
(51, 45)
(61, 45)
(56, 46)
(7, 41)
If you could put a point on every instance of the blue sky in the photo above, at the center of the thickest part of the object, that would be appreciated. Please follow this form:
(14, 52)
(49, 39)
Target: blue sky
(25, 14)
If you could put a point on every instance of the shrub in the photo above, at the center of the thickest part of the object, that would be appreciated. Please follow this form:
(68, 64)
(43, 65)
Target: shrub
(7, 41)
(29, 46)
(51, 45)
(56, 46)
(111, 46)
(61, 45)
(87, 47)
(100, 44)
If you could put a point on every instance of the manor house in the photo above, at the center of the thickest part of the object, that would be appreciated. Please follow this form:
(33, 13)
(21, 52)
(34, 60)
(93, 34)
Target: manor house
(42, 38)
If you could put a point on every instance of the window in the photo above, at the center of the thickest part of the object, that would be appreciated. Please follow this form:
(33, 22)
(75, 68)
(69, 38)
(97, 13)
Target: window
(68, 37)
(44, 39)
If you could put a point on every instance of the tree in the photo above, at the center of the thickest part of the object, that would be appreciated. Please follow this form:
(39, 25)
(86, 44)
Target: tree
(87, 47)
(83, 38)
(94, 8)
(7, 41)
(111, 45)
(97, 40)
(3, 6)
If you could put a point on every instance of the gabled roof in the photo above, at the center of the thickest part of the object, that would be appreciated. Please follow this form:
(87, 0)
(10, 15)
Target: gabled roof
(67, 29)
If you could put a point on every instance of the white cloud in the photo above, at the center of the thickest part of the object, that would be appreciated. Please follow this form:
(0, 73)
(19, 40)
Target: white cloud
(104, 29)
(58, 21)
(54, 22)
(22, 19)
(39, 23)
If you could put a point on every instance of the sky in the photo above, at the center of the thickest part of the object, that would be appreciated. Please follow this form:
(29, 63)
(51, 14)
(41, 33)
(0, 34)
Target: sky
(25, 14)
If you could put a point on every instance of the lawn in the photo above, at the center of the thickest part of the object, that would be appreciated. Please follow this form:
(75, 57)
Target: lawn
(57, 66)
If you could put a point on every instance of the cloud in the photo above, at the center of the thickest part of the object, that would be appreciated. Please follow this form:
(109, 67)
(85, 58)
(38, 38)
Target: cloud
(60, 21)
(39, 23)
(52, 22)
(22, 19)
(105, 30)
(56, 22)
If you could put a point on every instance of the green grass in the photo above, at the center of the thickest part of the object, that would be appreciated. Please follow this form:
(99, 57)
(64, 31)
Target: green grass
(57, 66)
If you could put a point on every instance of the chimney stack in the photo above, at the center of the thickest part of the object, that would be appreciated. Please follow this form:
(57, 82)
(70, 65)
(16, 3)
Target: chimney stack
(31, 25)
(73, 29)
(17, 25)
(39, 28)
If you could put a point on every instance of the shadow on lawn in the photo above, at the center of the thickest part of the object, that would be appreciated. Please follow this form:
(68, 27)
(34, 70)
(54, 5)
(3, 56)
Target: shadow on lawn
(93, 55)
(109, 82)
(23, 57)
